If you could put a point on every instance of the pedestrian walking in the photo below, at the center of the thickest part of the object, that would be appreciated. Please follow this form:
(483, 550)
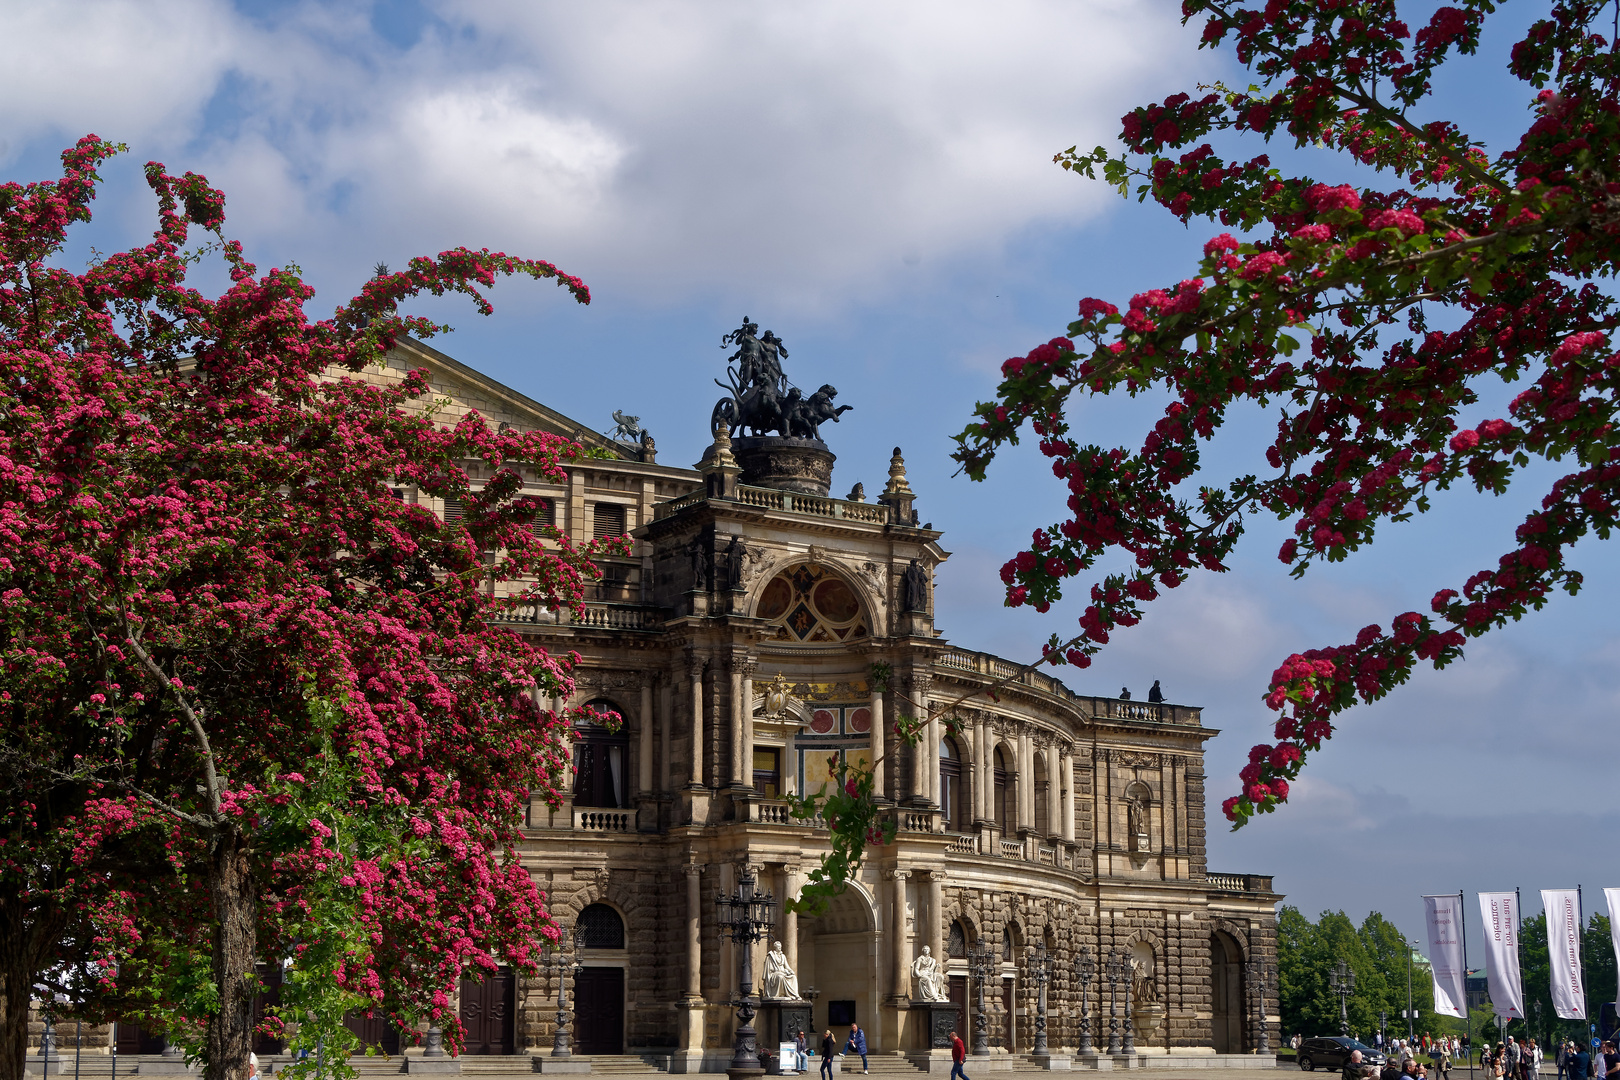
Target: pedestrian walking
(958, 1056)
(857, 1043)
(828, 1048)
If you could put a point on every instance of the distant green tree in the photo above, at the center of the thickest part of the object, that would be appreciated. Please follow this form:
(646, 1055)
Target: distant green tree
(1307, 955)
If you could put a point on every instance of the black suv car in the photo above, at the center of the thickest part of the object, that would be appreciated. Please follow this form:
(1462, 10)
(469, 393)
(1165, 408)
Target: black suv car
(1333, 1051)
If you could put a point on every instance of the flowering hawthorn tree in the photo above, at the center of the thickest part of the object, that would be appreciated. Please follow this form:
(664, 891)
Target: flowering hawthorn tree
(256, 706)
(1366, 316)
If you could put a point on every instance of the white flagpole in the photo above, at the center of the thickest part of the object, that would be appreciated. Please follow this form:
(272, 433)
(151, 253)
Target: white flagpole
(1468, 1013)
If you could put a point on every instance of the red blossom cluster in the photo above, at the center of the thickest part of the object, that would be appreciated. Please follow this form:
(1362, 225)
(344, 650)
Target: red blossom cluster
(1320, 310)
(201, 554)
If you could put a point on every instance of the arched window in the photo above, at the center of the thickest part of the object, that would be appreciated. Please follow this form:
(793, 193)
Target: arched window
(1011, 939)
(952, 796)
(1006, 815)
(601, 757)
(956, 942)
(600, 927)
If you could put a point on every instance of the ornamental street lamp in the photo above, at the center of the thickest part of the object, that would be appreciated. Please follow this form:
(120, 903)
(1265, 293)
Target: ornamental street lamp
(1085, 969)
(1130, 1024)
(1342, 981)
(982, 960)
(1040, 973)
(1261, 975)
(564, 962)
(744, 917)
(1117, 971)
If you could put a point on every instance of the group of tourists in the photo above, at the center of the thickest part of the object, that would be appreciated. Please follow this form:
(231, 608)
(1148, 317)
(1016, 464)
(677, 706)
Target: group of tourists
(1574, 1063)
(830, 1048)
(1515, 1059)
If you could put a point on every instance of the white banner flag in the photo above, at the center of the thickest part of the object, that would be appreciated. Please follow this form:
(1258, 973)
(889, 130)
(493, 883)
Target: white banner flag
(1500, 911)
(1444, 916)
(1564, 952)
(1613, 897)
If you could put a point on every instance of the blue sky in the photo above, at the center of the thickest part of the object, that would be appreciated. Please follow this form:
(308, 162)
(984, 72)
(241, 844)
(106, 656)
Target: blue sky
(873, 182)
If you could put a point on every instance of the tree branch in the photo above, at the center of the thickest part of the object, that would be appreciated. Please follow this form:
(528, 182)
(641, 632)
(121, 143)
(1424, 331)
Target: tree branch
(193, 717)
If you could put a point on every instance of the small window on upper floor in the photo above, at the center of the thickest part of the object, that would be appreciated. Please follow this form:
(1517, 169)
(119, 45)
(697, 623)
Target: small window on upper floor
(545, 517)
(607, 520)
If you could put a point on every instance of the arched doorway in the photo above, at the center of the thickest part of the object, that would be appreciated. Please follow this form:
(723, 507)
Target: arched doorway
(599, 989)
(838, 956)
(1226, 994)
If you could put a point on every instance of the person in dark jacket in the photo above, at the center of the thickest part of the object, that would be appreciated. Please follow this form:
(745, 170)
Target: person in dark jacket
(828, 1049)
(1354, 1069)
(958, 1056)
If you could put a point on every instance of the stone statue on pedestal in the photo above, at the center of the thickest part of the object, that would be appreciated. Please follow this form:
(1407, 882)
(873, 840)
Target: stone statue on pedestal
(930, 984)
(914, 588)
(779, 980)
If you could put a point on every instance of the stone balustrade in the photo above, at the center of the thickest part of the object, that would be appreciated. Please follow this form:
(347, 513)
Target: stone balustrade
(599, 616)
(1239, 883)
(604, 820)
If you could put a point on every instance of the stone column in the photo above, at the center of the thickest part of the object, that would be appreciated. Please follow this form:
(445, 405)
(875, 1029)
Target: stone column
(901, 986)
(689, 1052)
(876, 750)
(746, 710)
(1054, 792)
(694, 930)
(984, 765)
(646, 745)
(694, 672)
(1066, 769)
(925, 767)
(1026, 782)
(665, 701)
(936, 915)
(739, 775)
(792, 881)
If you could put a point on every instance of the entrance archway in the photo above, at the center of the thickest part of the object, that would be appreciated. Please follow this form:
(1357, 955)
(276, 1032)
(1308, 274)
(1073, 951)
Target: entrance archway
(838, 956)
(599, 989)
(1226, 993)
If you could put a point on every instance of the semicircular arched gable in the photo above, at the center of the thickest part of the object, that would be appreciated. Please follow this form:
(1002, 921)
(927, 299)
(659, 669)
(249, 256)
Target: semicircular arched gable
(814, 603)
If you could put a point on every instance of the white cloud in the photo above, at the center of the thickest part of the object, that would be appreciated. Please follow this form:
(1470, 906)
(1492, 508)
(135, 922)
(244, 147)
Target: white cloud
(123, 69)
(797, 153)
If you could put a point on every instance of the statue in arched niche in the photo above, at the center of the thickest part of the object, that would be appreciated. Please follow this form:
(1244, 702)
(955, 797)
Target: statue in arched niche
(1143, 989)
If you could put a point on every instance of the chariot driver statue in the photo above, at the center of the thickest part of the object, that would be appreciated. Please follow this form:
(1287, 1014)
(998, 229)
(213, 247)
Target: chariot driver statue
(762, 400)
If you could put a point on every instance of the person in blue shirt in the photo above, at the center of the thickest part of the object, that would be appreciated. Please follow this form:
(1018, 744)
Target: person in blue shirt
(1579, 1062)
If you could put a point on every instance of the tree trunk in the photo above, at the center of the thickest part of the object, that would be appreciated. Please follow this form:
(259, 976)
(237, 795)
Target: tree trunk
(30, 928)
(15, 992)
(236, 908)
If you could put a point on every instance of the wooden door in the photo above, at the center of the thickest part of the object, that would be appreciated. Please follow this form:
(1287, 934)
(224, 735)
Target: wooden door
(1009, 1004)
(488, 1007)
(134, 1039)
(264, 1002)
(373, 1030)
(599, 1011)
(959, 998)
